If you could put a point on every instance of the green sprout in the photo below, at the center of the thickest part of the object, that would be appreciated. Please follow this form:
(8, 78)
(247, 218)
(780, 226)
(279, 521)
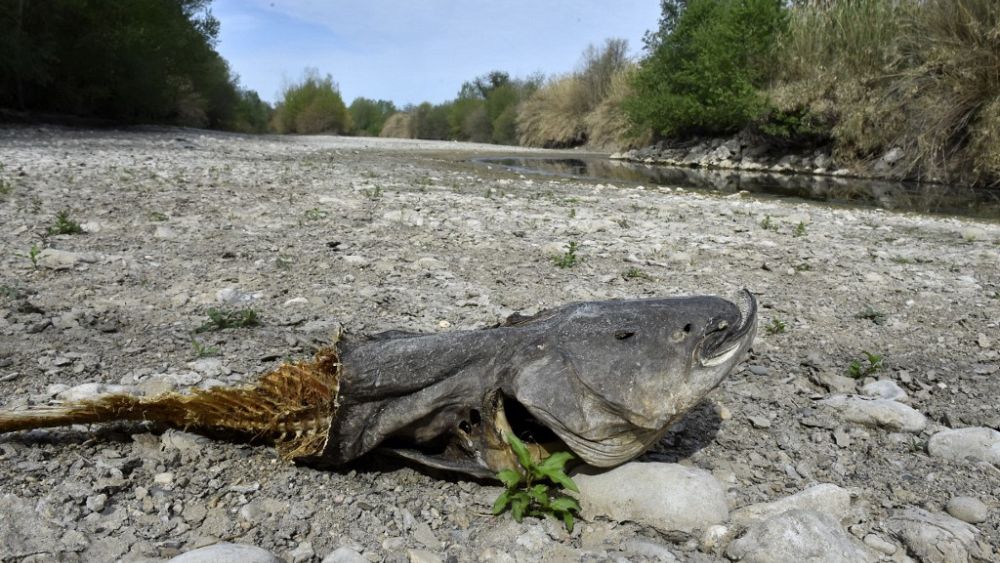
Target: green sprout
(776, 326)
(800, 230)
(528, 494)
(33, 253)
(872, 363)
(569, 258)
(870, 314)
(767, 224)
(634, 273)
(64, 225)
(203, 350)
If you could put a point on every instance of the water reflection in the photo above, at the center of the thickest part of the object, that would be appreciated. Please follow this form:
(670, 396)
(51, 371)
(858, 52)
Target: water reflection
(898, 196)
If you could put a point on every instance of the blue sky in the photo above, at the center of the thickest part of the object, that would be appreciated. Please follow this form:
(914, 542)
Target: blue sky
(415, 51)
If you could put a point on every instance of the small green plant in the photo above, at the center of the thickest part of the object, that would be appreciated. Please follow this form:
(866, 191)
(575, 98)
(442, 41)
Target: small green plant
(776, 326)
(316, 214)
(767, 224)
(572, 213)
(33, 253)
(870, 314)
(623, 223)
(569, 258)
(219, 319)
(203, 350)
(64, 225)
(803, 267)
(800, 230)
(284, 262)
(158, 216)
(375, 193)
(634, 273)
(872, 363)
(528, 494)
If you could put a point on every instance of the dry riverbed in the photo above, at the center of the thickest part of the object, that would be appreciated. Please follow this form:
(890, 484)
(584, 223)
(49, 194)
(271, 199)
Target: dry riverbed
(380, 234)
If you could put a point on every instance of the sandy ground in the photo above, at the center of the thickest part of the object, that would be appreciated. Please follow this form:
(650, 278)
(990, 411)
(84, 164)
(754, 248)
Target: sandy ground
(390, 234)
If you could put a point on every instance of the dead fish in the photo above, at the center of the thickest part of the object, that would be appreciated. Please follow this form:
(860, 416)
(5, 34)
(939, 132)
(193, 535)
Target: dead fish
(602, 379)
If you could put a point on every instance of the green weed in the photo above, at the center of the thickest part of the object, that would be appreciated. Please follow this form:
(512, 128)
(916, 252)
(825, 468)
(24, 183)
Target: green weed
(528, 494)
(776, 326)
(634, 273)
(203, 350)
(374, 193)
(316, 214)
(800, 230)
(158, 216)
(870, 314)
(219, 319)
(33, 253)
(64, 225)
(767, 224)
(872, 363)
(569, 258)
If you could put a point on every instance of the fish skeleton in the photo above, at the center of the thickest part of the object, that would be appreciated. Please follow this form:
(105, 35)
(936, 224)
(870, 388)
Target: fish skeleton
(602, 379)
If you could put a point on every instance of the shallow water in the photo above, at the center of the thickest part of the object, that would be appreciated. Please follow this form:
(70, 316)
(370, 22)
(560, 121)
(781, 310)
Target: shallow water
(856, 192)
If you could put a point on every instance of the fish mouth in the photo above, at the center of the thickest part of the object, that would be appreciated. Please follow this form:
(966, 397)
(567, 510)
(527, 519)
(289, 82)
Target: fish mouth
(726, 339)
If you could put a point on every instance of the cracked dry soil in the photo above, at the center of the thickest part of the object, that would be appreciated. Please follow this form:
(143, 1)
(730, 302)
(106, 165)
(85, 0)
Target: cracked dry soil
(378, 234)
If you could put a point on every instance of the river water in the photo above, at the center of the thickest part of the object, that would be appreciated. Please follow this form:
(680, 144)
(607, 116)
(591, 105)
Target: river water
(936, 199)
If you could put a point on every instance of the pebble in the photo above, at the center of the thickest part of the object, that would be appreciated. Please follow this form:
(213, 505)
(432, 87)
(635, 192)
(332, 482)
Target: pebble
(226, 553)
(88, 391)
(96, 503)
(968, 509)
(882, 413)
(303, 553)
(62, 260)
(759, 370)
(977, 443)
(649, 549)
(344, 555)
(799, 535)
(666, 496)
(163, 478)
(759, 421)
(879, 544)
(422, 556)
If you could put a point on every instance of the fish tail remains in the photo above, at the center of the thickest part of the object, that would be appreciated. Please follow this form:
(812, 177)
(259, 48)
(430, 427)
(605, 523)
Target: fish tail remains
(292, 406)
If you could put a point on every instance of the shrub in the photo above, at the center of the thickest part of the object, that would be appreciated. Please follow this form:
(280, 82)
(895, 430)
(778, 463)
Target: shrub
(251, 114)
(607, 125)
(553, 116)
(705, 75)
(369, 116)
(313, 105)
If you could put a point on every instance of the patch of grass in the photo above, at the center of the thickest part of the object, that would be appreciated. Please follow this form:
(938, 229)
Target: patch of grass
(316, 214)
(623, 223)
(33, 253)
(767, 224)
(572, 213)
(220, 319)
(283, 263)
(374, 193)
(634, 273)
(873, 315)
(871, 363)
(569, 258)
(776, 326)
(800, 230)
(535, 490)
(64, 225)
(803, 267)
(203, 350)
(158, 216)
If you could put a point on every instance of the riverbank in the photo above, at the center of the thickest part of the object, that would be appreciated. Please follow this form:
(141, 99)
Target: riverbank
(316, 233)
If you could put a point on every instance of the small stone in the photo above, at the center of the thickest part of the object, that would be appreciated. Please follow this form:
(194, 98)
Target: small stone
(968, 509)
(62, 260)
(759, 370)
(96, 503)
(882, 413)
(842, 437)
(836, 383)
(87, 391)
(422, 556)
(648, 549)
(713, 539)
(977, 443)
(296, 301)
(226, 552)
(423, 534)
(344, 555)
(666, 496)
(303, 553)
(884, 389)
(934, 537)
(759, 421)
(878, 544)
(983, 341)
(165, 478)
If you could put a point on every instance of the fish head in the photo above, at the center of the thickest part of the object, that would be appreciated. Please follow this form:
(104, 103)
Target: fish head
(609, 378)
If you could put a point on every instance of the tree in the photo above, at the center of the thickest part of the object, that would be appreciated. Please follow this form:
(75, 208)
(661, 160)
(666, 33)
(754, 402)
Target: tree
(369, 116)
(312, 105)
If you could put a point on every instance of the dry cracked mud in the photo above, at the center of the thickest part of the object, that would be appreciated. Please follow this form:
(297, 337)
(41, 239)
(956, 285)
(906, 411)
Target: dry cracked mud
(373, 234)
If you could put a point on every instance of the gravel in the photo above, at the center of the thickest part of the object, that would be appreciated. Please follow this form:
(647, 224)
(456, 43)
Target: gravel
(318, 233)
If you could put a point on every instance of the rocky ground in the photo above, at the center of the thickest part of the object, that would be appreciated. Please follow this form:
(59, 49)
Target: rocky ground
(806, 450)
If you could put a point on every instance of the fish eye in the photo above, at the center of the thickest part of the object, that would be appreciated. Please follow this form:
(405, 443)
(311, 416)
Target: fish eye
(623, 334)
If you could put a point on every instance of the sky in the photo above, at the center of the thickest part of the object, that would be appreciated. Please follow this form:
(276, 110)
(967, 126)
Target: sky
(419, 50)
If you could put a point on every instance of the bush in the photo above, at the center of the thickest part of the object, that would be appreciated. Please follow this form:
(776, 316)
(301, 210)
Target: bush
(553, 116)
(252, 114)
(705, 75)
(608, 127)
(313, 105)
(369, 116)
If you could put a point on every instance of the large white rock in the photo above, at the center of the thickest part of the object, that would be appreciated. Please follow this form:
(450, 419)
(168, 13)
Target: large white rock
(666, 496)
(227, 553)
(976, 442)
(885, 389)
(62, 260)
(799, 535)
(882, 413)
(826, 498)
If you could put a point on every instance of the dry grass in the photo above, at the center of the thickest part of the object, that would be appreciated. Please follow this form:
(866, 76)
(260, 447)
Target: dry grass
(554, 115)
(608, 128)
(397, 126)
